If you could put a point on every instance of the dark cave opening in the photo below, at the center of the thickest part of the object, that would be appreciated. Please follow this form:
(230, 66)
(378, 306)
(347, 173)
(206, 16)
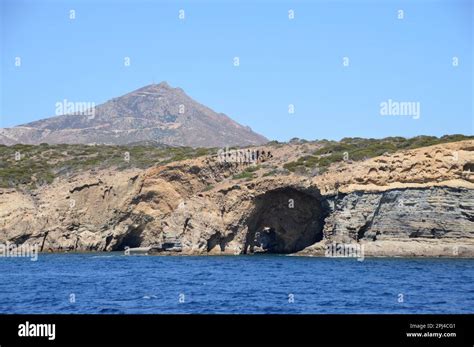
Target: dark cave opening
(133, 238)
(468, 167)
(284, 221)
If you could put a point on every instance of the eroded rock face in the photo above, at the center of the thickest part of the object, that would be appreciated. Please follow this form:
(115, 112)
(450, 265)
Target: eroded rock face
(284, 220)
(393, 205)
(84, 213)
(432, 213)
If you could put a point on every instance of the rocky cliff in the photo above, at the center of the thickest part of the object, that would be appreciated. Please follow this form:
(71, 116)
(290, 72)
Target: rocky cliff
(416, 202)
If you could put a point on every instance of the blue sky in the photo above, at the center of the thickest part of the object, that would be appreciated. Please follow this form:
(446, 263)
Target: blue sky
(282, 61)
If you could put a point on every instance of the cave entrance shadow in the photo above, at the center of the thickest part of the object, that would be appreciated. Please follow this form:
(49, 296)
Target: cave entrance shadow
(285, 220)
(133, 238)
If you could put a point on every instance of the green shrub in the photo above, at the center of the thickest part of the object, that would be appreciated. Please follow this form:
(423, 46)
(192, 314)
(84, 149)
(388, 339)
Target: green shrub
(270, 173)
(244, 175)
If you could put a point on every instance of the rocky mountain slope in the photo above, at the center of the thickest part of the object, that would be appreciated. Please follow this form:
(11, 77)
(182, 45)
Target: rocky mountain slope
(414, 202)
(156, 112)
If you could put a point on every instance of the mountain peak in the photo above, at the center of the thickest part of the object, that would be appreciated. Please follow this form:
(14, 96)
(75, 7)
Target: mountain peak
(162, 85)
(155, 87)
(156, 112)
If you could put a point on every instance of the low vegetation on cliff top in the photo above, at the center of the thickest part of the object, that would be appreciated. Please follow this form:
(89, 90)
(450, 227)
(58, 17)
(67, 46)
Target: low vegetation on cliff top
(31, 166)
(35, 165)
(355, 149)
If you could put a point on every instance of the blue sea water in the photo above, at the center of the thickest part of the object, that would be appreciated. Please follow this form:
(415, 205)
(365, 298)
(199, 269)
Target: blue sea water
(115, 283)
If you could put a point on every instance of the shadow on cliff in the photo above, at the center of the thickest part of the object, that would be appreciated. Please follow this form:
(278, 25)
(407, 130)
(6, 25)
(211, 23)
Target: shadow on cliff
(285, 220)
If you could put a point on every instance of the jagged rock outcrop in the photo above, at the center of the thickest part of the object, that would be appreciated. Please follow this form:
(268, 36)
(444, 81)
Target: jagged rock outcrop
(411, 203)
(86, 212)
(436, 212)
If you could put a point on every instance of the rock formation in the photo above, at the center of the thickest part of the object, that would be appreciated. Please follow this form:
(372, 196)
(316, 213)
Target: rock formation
(410, 203)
